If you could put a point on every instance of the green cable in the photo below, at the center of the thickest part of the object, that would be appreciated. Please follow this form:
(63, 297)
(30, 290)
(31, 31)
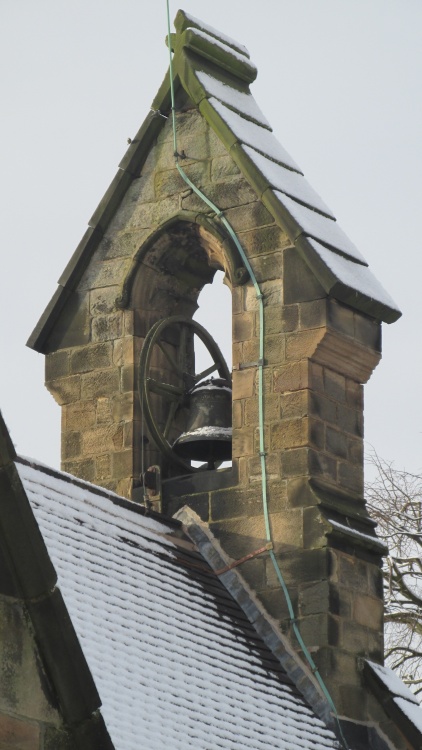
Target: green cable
(262, 452)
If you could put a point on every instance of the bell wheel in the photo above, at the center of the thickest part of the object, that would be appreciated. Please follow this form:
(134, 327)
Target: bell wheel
(167, 374)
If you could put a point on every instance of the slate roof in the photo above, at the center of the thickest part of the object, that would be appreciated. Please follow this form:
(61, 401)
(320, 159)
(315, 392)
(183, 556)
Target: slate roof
(175, 660)
(215, 72)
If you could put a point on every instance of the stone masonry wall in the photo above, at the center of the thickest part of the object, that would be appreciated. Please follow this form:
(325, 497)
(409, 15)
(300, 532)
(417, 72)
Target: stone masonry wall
(318, 353)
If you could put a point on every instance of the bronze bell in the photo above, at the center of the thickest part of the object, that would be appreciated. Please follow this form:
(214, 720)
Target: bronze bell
(208, 436)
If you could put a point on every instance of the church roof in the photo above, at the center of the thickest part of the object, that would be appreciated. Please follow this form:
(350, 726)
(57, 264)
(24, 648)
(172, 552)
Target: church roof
(174, 658)
(215, 73)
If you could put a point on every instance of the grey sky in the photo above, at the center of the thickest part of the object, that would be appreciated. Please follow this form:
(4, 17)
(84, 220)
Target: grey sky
(340, 82)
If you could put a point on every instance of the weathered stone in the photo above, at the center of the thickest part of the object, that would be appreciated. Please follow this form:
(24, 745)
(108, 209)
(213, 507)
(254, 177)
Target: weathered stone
(57, 365)
(17, 734)
(170, 181)
(100, 383)
(79, 415)
(243, 383)
(65, 390)
(271, 292)
(102, 301)
(91, 357)
(303, 344)
(122, 464)
(243, 442)
(313, 314)
(299, 283)
(243, 326)
(271, 412)
(102, 440)
(294, 404)
(291, 377)
(222, 167)
(107, 327)
(123, 351)
(71, 445)
(289, 434)
(336, 442)
(103, 411)
(84, 468)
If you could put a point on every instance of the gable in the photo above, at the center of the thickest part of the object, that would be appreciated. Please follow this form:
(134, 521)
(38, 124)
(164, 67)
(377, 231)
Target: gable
(214, 76)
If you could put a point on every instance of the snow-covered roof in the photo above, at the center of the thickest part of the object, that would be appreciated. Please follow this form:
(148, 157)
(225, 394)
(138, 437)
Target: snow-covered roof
(215, 72)
(175, 660)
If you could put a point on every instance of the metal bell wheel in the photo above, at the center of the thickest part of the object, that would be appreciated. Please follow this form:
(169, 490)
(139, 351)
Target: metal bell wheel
(181, 372)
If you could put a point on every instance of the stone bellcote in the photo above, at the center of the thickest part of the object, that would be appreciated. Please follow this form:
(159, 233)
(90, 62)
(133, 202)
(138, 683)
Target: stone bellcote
(151, 246)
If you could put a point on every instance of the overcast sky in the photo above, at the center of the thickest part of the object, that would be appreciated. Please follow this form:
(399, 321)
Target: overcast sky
(340, 82)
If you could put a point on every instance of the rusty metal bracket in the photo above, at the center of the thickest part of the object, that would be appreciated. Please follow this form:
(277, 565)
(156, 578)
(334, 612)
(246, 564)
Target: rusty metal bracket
(250, 556)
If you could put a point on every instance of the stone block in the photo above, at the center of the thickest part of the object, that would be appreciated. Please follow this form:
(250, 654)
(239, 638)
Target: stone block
(320, 464)
(322, 407)
(294, 405)
(271, 291)
(271, 409)
(237, 299)
(240, 536)
(340, 317)
(246, 217)
(314, 528)
(237, 416)
(268, 266)
(274, 349)
(355, 451)
(354, 637)
(354, 394)
(351, 477)
(102, 468)
(91, 357)
(71, 445)
(368, 331)
(57, 365)
(313, 314)
(368, 611)
(99, 383)
(236, 503)
(303, 344)
(352, 573)
(122, 406)
(169, 181)
(103, 301)
(335, 385)
(79, 416)
(320, 630)
(316, 377)
(291, 377)
(287, 529)
(124, 244)
(127, 375)
(123, 351)
(243, 442)
(65, 390)
(104, 274)
(250, 351)
(272, 464)
(233, 192)
(222, 167)
(84, 468)
(122, 464)
(103, 411)
(243, 383)
(289, 433)
(336, 443)
(300, 566)
(281, 319)
(18, 734)
(243, 326)
(294, 462)
(102, 440)
(151, 215)
(107, 327)
(275, 603)
(315, 598)
(299, 283)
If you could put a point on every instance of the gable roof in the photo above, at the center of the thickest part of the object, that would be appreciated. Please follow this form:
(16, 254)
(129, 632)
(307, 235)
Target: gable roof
(174, 658)
(215, 72)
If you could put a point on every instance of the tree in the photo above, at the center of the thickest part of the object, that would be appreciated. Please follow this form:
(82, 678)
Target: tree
(395, 502)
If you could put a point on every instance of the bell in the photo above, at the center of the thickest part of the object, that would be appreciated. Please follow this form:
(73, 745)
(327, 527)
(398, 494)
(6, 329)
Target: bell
(208, 436)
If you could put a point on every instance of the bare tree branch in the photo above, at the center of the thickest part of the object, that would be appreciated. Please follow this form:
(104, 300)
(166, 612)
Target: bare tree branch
(395, 502)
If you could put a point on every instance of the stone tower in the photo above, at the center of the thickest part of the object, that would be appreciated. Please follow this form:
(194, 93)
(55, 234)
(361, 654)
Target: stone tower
(151, 246)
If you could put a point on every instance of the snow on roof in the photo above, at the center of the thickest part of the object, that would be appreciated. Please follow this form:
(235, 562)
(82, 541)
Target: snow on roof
(175, 660)
(234, 98)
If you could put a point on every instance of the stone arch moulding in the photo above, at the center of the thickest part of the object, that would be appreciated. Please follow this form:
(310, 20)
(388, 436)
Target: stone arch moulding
(210, 236)
(166, 277)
